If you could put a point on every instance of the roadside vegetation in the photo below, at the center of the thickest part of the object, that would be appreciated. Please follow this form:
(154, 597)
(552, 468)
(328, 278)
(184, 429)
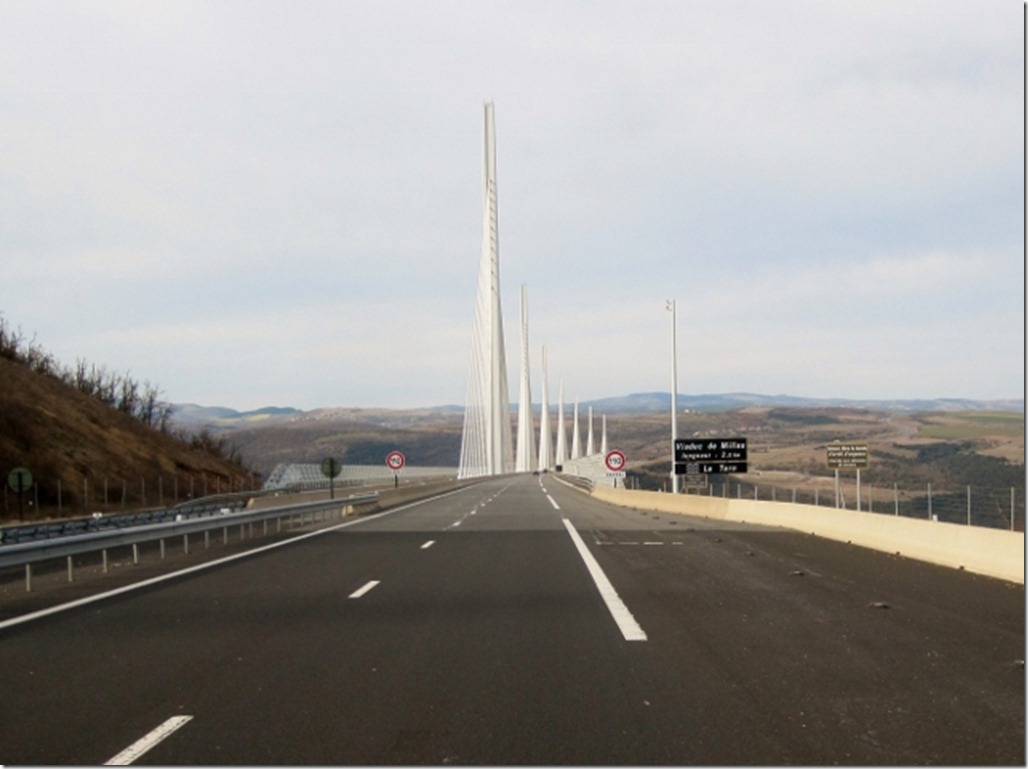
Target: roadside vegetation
(96, 440)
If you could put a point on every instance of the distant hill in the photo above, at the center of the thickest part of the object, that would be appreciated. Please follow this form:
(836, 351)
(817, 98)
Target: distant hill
(432, 436)
(192, 417)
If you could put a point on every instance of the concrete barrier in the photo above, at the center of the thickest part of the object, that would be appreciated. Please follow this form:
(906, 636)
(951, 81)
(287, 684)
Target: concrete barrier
(992, 552)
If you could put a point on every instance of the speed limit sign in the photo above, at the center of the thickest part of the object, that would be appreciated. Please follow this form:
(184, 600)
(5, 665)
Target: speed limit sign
(615, 461)
(396, 460)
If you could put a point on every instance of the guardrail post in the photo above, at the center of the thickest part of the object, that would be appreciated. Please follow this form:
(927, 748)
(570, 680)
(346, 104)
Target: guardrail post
(224, 535)
(162, 549)
(105, 561)
(185, 543)
(278, 524)
(206, 539)
(969, 505)
(28, 578)
(71, 570)
(896, 497)
(135, 554)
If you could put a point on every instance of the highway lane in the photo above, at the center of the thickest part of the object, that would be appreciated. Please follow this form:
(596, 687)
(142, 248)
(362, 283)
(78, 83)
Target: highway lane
(468, 630)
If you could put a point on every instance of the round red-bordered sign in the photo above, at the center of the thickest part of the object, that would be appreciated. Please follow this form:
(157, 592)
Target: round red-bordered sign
(395, 460)
(615, 461)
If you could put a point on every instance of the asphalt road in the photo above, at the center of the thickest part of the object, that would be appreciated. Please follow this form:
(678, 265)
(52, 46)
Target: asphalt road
(470, 630)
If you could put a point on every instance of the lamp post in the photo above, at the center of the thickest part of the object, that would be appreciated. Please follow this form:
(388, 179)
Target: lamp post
(674, 391)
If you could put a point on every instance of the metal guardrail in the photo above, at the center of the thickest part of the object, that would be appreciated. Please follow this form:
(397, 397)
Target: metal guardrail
(34, 532)
(577, 481)
(27, 553)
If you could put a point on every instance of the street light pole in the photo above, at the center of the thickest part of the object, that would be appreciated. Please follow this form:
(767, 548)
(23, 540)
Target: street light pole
(674, 391)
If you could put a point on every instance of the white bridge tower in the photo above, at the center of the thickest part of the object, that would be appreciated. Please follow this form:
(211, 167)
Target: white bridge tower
(486, 446)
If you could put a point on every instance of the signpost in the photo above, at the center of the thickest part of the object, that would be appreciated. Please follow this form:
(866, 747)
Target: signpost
(615, 463)
(20, 481)
(846, 456)
(330, 468)
(710, 455)
(395, 460)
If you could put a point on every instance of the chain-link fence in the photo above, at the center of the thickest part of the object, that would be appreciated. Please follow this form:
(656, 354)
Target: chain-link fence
(52, 498)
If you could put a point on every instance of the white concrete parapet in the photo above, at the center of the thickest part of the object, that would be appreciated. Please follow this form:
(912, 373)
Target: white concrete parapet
(992, 552)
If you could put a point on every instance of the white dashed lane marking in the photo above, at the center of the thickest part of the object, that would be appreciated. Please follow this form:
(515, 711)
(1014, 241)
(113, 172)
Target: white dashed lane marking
(134, 751)
(368, 586)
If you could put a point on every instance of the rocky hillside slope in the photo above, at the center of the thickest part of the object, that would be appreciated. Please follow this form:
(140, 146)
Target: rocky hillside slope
(86, 456)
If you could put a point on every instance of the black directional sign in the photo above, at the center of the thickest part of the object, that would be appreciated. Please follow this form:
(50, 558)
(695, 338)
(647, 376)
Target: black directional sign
(707, 456)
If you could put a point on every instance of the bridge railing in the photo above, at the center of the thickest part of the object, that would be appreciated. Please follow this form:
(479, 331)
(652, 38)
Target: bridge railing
(308, 477)
(984, 506)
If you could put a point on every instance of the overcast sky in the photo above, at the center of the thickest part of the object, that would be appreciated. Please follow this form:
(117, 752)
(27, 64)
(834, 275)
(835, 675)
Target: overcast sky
(279, 203)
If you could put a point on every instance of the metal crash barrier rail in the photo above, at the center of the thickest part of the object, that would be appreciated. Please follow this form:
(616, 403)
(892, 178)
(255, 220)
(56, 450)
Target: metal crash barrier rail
(27, 553)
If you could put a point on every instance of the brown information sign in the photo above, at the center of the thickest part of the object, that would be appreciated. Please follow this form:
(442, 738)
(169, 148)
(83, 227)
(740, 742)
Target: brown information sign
(847, 455)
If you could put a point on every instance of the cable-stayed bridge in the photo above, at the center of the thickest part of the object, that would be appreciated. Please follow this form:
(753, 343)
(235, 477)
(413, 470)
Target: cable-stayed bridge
(515, 618)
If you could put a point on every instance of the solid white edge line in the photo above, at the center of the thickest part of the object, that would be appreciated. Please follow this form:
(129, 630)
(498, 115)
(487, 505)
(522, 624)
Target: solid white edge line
(144, 744)
(210, 564)
(367, 587)
(630, 629)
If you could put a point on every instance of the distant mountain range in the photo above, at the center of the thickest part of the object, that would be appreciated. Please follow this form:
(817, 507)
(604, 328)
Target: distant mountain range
(194, 416)
(661, 401)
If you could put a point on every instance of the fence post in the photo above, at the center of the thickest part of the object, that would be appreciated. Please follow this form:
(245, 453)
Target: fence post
(896, 497)
(969, 504)
(1012, 508)
(929, 501)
